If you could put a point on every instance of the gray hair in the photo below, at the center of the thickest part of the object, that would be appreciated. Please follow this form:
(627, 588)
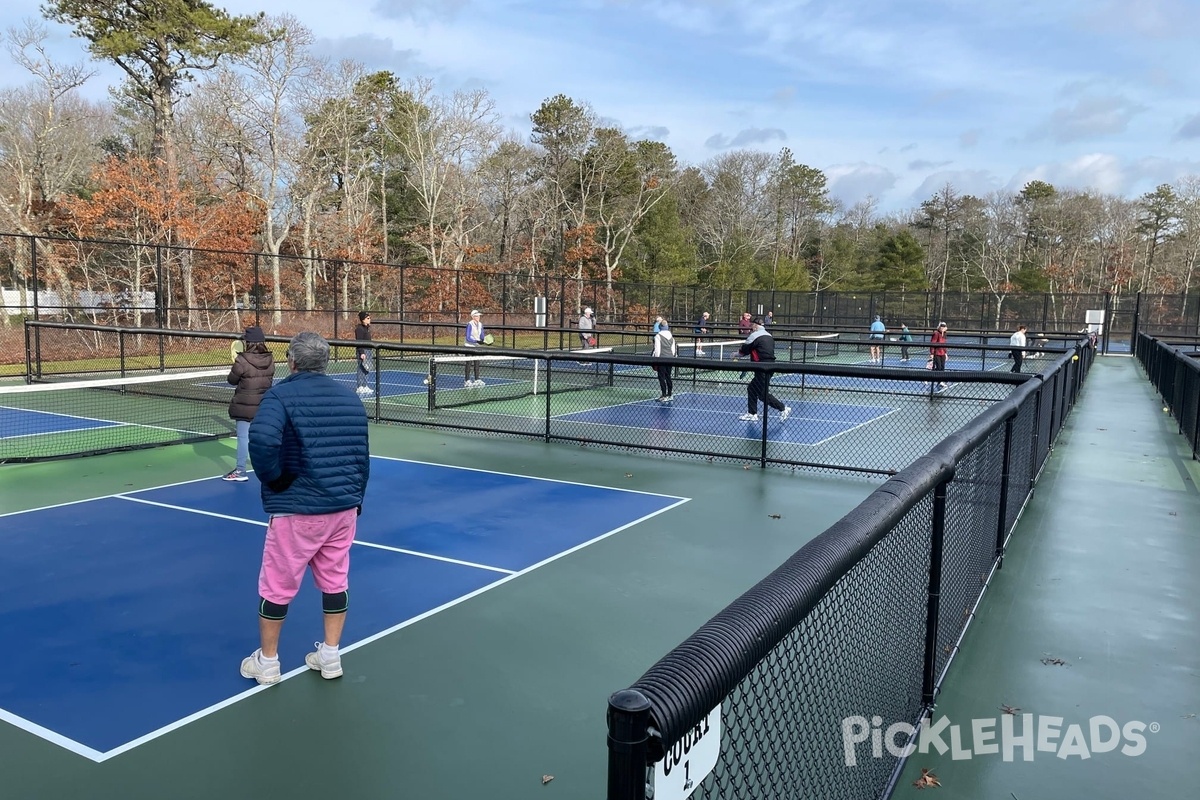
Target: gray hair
(309, 352)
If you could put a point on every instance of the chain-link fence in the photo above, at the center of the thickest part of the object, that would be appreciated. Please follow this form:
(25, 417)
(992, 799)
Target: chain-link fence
(162, 286)
(812, 683)
(802, 413)
(1173, 365)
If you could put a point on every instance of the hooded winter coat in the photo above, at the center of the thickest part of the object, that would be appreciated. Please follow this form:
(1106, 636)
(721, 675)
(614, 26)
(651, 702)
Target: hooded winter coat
(252, 374)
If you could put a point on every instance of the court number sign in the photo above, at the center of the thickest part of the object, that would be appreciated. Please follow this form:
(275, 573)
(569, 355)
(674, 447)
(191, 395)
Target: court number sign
(690, 760)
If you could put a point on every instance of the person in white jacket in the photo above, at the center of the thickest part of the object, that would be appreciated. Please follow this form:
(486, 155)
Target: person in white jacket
(1017, 340)
(665, 347)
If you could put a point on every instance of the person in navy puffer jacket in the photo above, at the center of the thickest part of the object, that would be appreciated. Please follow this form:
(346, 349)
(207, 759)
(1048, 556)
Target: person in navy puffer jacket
(309, 446)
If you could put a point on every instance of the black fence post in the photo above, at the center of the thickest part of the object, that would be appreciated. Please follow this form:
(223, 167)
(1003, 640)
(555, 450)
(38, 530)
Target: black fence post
(628, 735)
(160, 300)
(257, 294)
(549, 413)
(1137, 320)
(162, 345)
(33, 279)
(1108, 321)
(29, 355)
(401, 303)
(937, 541)
(1002, 511)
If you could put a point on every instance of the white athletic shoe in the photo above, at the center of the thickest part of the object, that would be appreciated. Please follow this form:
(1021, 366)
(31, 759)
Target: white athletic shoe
(784, 414)
(263, 673)
(749, 417)
(480, 383)
(328, 669)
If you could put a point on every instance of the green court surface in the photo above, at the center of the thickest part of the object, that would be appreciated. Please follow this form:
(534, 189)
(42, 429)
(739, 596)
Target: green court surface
(1093, 614)
(1101, 575)
(482, 699)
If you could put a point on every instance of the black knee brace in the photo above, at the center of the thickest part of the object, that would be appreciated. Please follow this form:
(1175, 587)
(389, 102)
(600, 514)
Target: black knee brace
(269, 610)
(335, 603)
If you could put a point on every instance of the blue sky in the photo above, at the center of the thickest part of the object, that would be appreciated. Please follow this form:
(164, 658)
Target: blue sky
(890, 100)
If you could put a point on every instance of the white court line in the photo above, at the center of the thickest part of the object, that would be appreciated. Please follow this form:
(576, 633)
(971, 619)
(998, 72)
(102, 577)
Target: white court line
(260, 523)
(98, 757)
(431, 556)
(188, 510)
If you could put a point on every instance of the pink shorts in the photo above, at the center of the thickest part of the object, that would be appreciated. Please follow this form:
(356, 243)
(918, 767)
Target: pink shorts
(320, 541)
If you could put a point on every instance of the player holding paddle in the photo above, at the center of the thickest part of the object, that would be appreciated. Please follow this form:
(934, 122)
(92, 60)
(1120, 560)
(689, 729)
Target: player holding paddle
(760, 346)
(252, 374)
(475, 337)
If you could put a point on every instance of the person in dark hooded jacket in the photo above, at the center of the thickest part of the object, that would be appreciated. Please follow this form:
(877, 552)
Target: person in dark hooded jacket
(252, 374)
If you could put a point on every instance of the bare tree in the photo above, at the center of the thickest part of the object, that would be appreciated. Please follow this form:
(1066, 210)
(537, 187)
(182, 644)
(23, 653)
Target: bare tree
(444, 140)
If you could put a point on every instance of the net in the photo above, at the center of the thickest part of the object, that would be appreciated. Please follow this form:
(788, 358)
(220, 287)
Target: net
(820, 347)
(721, 351)
(77, 418)
(456, 381)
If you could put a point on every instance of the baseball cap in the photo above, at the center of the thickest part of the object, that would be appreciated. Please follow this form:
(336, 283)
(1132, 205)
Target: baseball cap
(475, 312)
(942, 325)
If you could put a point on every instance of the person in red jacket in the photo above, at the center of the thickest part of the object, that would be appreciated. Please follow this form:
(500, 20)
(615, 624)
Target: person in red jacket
(937, 351)
(252, 374)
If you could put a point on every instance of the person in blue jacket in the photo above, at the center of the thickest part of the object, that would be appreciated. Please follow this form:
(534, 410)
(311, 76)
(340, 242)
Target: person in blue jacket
(309, 446)
(878, 329)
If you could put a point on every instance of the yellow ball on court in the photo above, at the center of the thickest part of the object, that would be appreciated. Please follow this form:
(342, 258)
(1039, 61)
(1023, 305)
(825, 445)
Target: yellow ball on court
(1074, 358)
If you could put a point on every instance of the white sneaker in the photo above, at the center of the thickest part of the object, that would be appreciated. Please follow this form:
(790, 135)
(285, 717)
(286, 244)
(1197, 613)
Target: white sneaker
(328, 669)
(749, 417)
(784, 414)
(263, 673)
(365, 390)
(480, 383)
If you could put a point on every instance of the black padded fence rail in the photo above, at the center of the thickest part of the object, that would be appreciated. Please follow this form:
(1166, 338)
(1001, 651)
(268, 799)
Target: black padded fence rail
(1173, 366)
(852, 635)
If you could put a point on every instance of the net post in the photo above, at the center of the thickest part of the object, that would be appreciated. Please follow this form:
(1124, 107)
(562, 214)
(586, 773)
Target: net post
(628, 737)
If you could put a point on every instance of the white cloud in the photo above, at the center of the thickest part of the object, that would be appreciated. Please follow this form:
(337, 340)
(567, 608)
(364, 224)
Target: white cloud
(1090, 117)
(744, 138)
(851, 183)
(964, 181)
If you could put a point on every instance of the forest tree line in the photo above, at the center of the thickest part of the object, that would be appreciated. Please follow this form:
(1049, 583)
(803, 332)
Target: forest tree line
(230, 133)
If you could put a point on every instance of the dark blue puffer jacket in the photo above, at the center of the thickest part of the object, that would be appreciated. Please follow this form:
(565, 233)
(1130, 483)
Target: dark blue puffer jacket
(308, 444)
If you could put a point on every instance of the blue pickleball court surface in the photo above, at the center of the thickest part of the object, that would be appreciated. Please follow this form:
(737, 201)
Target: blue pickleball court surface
(810, 422)
(24, 422)
(134, 611)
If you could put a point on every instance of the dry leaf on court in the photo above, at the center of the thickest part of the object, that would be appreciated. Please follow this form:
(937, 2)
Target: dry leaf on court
(546, 779)
(775, 516)
(926, 780)
(628, 474)
(1057, 662)
(1010, 709)
(745, 466)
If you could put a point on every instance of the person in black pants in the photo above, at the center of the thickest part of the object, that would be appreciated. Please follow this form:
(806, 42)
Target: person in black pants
(759, 346)
(1017, 341)
(664, 347)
